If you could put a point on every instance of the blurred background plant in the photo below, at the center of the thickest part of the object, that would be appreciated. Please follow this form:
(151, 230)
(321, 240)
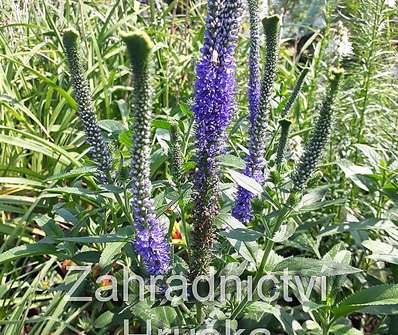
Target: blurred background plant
(47, 191)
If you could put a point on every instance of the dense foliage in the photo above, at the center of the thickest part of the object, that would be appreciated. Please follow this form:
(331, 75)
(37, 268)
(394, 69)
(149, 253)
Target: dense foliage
(199, 138)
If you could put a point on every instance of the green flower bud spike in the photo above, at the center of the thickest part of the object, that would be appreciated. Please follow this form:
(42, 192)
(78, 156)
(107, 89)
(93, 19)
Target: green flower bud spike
(176, 155)
(284, 122)
(259, 126)
(315, 147)
(285, 128)
(150, 241)
(272, 34)
(139, 48)
(99, 150)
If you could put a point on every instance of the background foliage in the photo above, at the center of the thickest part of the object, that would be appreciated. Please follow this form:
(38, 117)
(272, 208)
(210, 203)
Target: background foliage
(47, 191)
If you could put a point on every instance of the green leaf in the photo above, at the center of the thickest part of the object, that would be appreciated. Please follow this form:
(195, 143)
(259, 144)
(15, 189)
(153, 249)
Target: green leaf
(46, 80)
(40, 145)
(382, 251)
(33, 146)
(232, 161)
(49, 226)
(160, 317)
(91, 256)
(160, 123)
(122, 235)
(352, 171)
(108, 238)
(369, 224)
(370, 153)
(313, 267)
(82, 192)
(104, 319)
(246, 249)
(112, 126)
(67, 215)
(242, 234)
(27, 250)
(321, 205)
(246, 182)
(338, 254)
(312, 197)
(16, 199)
(343, 326)
(234, 269)
(382, 299)
(125, 138)
(20, 181)
(110, 252)
(157, 159)
(284, 232)
(258, 314)
(85, 170)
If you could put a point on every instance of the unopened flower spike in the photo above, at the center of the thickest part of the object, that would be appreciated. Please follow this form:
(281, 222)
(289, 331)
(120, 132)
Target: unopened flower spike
(150, 240)
(316, 145)
(254, 86)
(213, 109)
(243, 197)
(99, 151)
(280, 153)
(176, 155)
(284, 122)
(255, 162)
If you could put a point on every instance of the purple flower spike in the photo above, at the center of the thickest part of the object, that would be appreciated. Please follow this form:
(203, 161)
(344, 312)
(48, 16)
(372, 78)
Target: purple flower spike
(243, 210)
(255, 161)
(214, 108)
(150, 241)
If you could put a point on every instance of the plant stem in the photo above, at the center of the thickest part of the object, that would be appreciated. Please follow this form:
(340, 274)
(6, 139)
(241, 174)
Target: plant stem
(267, 251)
(369, 72)
(199, 313)
(120, 202)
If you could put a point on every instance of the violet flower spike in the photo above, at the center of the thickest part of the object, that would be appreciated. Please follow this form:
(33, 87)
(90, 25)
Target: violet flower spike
(150, 240)
(213, 109)
(242, 208)
(255, 161)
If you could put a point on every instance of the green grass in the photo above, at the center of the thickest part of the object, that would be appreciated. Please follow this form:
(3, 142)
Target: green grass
(47, 190)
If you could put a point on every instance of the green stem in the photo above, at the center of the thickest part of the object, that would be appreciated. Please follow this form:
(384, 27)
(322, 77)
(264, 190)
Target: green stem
(366, 86)
(199, 313)
(369, 73)
(120, 202)
(184, 223)
(180, 316)
(267, 251)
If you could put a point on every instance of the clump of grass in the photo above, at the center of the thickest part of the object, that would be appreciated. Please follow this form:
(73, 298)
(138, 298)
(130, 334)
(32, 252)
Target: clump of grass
(54, 214)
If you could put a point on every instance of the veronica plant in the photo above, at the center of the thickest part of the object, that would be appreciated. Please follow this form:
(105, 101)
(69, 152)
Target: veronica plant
(176, 155)
(320, 135)
(99, 150)
(150, 241)
(255, 162)
(242, 209)
(254, 86)
(213, 109)
(302, 173)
